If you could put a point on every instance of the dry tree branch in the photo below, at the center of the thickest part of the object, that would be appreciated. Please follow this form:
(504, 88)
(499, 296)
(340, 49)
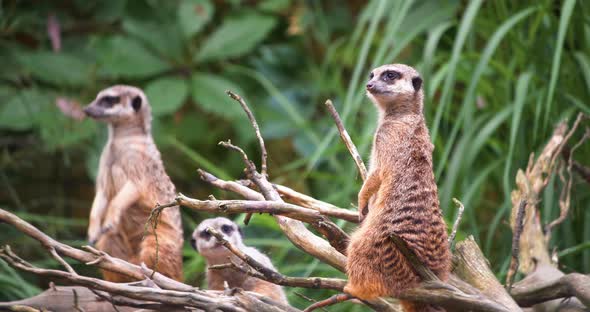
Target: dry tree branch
(358, 160)
(514, 262)
(538, 288)
(270, 275)
(264, 155)
(293, 229)
(457, 221)
(565, 197)
(286, 193)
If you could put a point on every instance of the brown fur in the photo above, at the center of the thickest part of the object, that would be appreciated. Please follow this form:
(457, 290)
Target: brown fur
(400, 195)
(131, 181)
(216, 253)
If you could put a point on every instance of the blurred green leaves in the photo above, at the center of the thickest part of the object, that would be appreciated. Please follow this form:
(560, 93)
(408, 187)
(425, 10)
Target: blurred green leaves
(208, 92)
(236, 36)
(166, 95)
(193, 15)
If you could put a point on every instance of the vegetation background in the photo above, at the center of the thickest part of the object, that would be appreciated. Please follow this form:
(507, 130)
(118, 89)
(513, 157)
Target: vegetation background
(498, 75)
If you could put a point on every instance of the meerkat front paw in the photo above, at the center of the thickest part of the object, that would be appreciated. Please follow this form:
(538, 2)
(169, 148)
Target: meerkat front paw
(94, 232)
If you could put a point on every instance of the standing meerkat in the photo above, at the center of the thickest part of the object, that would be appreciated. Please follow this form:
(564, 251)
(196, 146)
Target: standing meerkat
(399, 196)
(131, 181)
(215, 253)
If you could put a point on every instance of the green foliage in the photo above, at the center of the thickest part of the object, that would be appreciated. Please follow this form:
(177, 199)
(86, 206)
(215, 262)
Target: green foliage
(498, 75)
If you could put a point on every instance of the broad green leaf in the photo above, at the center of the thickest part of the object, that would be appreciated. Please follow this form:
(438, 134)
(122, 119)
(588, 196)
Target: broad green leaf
(208, 91)
(236, 37)
(123, 57)
(20, 112)
(193, 15)
(56, 68)
(166, 95)
(160, 37)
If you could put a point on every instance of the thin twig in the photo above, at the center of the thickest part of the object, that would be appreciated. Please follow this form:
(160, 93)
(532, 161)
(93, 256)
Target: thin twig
(265, 273)
(457, 221)
(304, 297)
(358, 160)
(328, 302)
(565, 197)
(514, 260)
(264, 156)
(61, 260)
(76, 304)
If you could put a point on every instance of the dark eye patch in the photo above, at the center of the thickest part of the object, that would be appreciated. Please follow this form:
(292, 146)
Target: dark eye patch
(227, 229)
(390, 75)
(205, 235)
(371, 75)
(108, 101)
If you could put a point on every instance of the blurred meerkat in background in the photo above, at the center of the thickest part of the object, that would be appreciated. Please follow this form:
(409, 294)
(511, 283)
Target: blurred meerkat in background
(131, 181)
(215, 253)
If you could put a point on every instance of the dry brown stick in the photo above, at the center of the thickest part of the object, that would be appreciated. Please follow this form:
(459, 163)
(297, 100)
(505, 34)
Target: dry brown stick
(293, 229)
(434, 291)
(536, 288)
(206, 300)
(457, 221)
(358, 160)
(471, 266)
(519, 223)
(337, 298)
(271, 275)
(91, 256)
(264, 156)
(287, 194)
(565, 197)
(335, 235)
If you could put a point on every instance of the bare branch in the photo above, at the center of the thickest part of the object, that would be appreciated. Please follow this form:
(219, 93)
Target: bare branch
(231, 186)
(264, 156)
(548, 283)
(358, 160)
(514, 262)
(328, 302)
(565, 197)
(270, 275)
(335, 235)
(457, 221)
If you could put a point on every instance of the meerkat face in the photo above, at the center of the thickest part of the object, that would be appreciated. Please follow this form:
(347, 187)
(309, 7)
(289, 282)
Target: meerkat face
(119, 104)
(391, 84)
(207, 245)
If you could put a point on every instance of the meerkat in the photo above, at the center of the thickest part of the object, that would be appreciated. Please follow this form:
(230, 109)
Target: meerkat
(131, 181)
(216, 253)
(399, 196)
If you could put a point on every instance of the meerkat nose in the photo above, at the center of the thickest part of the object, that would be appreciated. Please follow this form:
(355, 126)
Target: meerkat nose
(370, 86)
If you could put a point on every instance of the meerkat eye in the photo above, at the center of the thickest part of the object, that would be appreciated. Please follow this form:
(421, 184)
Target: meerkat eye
(391, 75)
(227, 229)
(205, 235)
(108, 101)
(371, 75)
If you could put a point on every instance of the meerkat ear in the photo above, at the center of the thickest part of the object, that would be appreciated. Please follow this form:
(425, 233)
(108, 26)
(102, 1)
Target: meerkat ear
(417, 83)
(136, 103)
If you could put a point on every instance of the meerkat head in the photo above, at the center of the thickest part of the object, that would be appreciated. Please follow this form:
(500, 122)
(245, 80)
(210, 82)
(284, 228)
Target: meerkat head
(121, 105)
(396, 87)
(207, 245)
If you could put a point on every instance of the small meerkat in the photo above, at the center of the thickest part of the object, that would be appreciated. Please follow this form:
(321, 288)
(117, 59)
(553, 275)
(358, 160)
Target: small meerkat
(216, 253)
(131, 181)
(399, 196)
